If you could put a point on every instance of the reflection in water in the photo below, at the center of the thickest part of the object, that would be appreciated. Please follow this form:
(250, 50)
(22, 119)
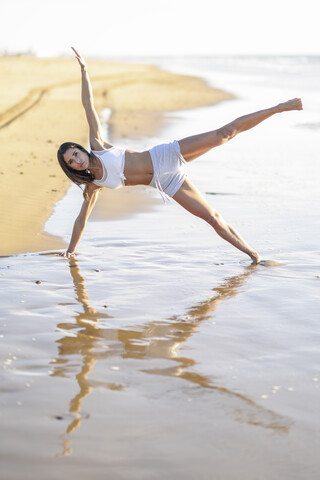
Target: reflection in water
(82, 341)
(160, 339)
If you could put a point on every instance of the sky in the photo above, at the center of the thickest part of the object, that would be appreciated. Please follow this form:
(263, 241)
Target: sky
(105, 28)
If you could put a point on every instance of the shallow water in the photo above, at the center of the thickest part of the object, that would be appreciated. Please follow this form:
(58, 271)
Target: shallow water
(117, 373)
(160, 351)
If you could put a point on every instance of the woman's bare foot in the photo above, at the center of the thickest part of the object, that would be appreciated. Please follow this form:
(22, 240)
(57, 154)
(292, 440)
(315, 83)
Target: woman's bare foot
(293, 104)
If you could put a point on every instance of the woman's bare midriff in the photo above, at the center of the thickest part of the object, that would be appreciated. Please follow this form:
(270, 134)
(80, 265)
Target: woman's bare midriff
(138, 168)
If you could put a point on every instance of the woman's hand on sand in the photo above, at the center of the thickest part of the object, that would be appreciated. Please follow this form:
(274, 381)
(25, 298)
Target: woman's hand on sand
(80, 59)
(68, 254)
(255, 257)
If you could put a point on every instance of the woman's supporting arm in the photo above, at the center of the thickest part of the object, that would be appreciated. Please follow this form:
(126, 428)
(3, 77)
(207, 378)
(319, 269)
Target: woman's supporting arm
(81, 221)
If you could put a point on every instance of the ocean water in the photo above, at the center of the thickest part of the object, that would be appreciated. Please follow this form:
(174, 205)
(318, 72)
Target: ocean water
(160, 351)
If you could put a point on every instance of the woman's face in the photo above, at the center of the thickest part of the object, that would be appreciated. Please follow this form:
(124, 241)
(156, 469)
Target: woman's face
(76, 159)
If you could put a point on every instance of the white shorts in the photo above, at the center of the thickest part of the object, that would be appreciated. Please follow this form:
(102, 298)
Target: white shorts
(168, 168)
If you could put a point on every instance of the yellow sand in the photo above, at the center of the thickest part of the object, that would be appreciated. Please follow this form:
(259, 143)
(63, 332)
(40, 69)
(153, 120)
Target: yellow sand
(40, 108)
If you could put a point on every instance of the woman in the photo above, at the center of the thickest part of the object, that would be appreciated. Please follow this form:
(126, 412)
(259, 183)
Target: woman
(162, 167)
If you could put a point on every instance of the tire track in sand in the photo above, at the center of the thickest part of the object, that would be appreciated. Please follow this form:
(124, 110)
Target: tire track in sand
(33, 97)
(29, 101)
(36, 94)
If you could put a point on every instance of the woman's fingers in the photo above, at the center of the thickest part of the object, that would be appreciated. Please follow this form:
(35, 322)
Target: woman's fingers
(75, 51)
(80, 59)
(67, 254)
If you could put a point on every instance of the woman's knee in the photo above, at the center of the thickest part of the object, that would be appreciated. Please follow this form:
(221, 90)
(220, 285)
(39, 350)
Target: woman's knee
(214, 219)
(226, 133)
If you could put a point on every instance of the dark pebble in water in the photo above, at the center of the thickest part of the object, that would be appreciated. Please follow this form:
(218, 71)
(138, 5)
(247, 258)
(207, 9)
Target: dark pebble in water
(97, 270)
(105, 306)
(38, 282)
(58, 417)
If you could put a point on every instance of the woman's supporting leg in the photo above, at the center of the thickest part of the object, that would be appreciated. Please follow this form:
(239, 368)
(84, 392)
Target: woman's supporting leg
(196, 145)
(191, 199)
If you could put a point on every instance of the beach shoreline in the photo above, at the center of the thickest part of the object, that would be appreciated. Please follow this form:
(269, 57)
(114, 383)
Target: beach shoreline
(43, 109)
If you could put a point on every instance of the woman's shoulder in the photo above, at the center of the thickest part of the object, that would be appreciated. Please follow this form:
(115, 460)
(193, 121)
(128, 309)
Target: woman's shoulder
(101, 147)
(91, 187)
(108, 145)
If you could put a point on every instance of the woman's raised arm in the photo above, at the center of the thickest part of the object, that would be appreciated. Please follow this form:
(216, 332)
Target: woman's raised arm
(95, 131)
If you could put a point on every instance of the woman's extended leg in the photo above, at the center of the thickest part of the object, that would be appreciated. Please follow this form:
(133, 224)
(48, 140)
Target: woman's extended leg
(191, 199)
(196, 145)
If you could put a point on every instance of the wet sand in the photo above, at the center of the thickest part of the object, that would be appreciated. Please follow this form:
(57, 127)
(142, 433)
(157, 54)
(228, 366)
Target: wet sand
(109, 370)
(42, 109)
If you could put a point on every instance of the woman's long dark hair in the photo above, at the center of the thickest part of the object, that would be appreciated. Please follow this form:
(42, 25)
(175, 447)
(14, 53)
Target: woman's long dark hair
(79, 177)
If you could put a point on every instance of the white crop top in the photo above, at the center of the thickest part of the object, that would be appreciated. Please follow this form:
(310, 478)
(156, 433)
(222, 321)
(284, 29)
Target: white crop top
(112, 160)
